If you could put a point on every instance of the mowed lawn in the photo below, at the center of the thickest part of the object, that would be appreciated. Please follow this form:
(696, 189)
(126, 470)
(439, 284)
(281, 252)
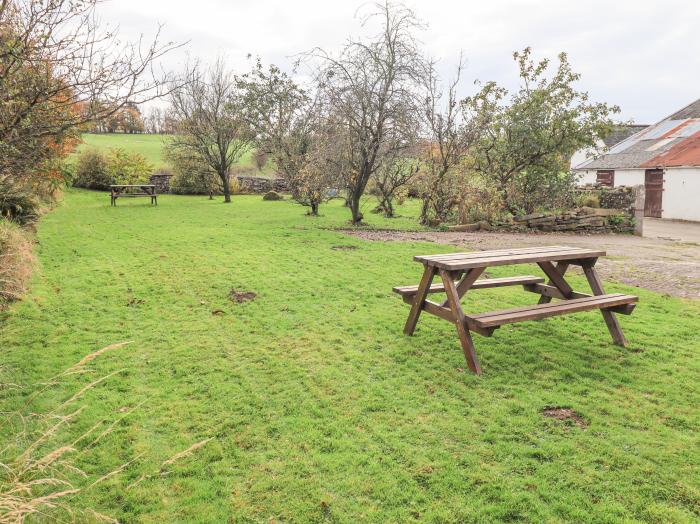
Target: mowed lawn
(317, 407)
(151, 147)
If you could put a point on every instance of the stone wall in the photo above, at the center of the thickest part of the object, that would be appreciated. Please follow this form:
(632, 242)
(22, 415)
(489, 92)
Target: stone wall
(582, 220)
(161, 181)
(616, 214)
(620, 197)
(256, 184)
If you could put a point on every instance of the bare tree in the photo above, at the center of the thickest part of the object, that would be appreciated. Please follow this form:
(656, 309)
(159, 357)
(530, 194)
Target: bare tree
(154, 120)
(61, 69)
(450, 134)
(211, 120)
(393, 175)
(371, 89)
(317, 175)
(260, 159)
(285, 119)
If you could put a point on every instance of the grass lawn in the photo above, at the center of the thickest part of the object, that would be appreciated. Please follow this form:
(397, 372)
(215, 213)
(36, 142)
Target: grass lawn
(317, 407)
(151, 147)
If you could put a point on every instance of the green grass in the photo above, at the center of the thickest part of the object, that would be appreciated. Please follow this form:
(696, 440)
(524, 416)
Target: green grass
(320, 410)
(151, 147)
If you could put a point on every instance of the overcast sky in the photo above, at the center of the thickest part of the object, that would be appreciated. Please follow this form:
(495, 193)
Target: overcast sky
(642, 55)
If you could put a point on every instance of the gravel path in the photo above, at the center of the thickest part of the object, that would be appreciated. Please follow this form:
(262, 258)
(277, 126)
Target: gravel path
(661, 265)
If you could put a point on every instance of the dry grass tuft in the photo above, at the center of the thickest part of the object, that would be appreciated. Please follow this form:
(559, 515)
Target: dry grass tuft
(169, 462)
(16, 262)
(185, 453)
(92, 356)
(36, 474)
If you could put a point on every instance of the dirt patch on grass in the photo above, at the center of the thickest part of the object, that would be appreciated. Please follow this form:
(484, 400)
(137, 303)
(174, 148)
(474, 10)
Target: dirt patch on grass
(661, 265)
(343, 248)
(241, 296)
(565, 414)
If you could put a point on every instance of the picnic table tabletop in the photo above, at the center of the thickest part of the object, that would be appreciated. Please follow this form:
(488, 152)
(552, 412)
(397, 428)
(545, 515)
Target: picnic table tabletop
(501, 257)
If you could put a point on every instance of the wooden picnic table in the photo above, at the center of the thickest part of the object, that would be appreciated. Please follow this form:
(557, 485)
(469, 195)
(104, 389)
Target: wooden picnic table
(460, 273)
(133, 190)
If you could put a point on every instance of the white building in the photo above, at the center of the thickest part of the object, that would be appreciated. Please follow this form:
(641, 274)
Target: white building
(664, 157)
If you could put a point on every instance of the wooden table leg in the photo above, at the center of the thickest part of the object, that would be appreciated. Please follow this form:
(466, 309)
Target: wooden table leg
(560, 269)
(419, 300)
(465, 283)
(610, 318)
(465, 337)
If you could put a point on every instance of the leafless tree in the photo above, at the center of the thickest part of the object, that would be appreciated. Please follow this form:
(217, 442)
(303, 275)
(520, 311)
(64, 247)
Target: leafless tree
(285, 117)
(211, 120)
(154, 120)
(392, 176)
(450, 133)
(372, 91)
(60, 68)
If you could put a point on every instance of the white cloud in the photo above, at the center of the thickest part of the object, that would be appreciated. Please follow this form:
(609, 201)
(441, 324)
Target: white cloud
(643, 56)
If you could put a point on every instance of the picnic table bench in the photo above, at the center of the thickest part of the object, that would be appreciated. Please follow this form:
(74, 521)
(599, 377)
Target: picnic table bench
(133, 190)
(460, 272)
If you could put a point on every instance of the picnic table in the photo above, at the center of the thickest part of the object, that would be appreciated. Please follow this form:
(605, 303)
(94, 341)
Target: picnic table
(460, 273)
(133, 190)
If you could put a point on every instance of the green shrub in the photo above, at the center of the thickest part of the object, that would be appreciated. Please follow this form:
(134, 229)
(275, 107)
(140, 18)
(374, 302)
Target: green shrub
(128, 167)
(590, 200)
(190, 175)
(91, 171)
(95, 170)
(193, 182)
(17, 201)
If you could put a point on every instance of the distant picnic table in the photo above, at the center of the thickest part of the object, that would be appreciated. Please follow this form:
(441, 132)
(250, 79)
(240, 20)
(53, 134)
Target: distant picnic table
(133, 190)
(460, 273)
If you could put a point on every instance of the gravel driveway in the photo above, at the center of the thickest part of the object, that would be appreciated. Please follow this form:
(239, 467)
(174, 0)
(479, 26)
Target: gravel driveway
(664, 265)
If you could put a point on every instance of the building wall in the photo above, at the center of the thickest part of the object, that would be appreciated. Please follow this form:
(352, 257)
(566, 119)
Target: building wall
(582, 155)
(623, 177)
(681, 196)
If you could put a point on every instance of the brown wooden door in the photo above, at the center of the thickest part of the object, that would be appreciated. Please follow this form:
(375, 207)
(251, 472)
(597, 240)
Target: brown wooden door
(653, 188)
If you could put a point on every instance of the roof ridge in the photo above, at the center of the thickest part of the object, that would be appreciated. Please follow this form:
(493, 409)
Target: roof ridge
(678, 111)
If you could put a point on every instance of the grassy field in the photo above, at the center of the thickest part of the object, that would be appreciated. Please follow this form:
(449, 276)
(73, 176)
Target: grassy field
(151, 147)
(317, 408)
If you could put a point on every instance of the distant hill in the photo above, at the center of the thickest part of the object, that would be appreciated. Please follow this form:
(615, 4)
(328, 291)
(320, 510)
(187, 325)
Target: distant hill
(151, 146)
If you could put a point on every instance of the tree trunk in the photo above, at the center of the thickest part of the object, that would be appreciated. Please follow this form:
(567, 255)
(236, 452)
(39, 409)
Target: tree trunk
(314, 208)
(425, 206)
(388, 209)
(387, 206)
(226, 188)
(355, 207)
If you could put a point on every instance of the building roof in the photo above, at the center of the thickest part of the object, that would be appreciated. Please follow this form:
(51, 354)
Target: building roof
(622, 132)
(672, 142)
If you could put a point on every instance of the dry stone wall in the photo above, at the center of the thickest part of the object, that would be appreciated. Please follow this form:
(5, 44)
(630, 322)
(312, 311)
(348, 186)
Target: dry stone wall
(620, 197)
(255, 184)
(583, 220)
(161, 181)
